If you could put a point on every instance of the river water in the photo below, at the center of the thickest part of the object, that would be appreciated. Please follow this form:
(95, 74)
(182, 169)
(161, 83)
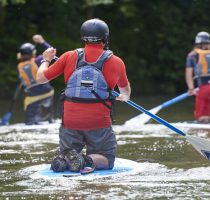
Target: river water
(170, 168)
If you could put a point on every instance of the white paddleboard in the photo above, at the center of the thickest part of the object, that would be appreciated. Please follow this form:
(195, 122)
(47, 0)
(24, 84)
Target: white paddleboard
(121, 167)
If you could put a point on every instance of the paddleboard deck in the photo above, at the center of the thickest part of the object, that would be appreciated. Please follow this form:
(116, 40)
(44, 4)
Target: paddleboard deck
(121, 167)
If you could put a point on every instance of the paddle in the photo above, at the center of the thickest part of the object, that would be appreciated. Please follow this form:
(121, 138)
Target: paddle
(7, 116)
(200, 144)
(143, 118)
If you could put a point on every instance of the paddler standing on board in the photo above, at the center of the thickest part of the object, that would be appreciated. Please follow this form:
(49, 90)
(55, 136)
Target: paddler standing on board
(198, 68)
(38, 102)
(90, 74)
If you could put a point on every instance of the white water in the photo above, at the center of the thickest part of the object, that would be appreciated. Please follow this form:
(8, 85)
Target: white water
(161, 177)
(154, 181)
(135, 124)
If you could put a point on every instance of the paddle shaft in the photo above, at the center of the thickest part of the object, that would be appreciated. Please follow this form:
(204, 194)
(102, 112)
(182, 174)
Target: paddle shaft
(15, 96)
(155, 117)
(176, 99)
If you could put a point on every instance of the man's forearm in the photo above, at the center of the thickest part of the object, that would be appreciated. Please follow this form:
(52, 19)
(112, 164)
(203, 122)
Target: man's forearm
(125, 93)
(48, 56)
(125, 90)
(189, 78)
(40, 73)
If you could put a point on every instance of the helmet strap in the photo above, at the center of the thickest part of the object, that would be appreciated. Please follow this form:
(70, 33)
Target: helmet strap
(106, 45)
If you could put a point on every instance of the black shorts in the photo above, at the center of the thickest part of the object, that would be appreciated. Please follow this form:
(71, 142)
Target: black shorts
(99, 141)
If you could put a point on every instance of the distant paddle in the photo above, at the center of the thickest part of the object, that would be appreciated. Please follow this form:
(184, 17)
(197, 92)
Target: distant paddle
(5, 120)
(200, 144)
(143, 118)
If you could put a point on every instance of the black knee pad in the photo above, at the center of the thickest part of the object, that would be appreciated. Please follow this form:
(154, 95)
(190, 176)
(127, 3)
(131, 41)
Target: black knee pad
(59, 164)
(75, 161)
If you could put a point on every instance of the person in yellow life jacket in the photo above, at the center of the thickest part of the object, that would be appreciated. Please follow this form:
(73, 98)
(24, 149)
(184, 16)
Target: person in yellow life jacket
(38, 102)
(198, 68)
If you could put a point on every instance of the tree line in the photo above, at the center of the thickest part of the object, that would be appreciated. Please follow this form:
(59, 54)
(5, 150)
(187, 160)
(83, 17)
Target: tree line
(152, 37)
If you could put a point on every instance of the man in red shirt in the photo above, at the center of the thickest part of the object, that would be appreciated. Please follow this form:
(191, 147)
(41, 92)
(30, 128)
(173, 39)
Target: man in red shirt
(87, 123)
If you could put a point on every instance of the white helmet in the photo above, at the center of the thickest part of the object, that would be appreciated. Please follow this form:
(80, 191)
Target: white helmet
(202, 38)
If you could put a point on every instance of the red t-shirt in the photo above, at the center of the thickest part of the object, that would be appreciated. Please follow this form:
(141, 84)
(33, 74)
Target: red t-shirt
(88, 116)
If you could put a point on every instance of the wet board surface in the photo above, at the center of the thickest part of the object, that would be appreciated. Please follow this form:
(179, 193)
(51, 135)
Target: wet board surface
(121, 167)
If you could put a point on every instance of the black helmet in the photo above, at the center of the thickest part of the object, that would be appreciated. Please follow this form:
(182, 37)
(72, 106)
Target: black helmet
(94, 30)
(27, 49)
(202, 38)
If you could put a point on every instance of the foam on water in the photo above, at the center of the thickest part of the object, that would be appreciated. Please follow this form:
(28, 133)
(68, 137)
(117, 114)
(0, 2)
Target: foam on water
(153, 181)
(51, 128)
(132, 125)
(25, 138)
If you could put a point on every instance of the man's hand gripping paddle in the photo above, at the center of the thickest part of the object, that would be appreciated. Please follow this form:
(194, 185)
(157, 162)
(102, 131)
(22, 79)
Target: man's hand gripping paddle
(200, 144)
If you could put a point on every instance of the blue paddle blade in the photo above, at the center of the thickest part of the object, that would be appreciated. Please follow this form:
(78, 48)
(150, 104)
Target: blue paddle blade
(206, 154)
(6, 118)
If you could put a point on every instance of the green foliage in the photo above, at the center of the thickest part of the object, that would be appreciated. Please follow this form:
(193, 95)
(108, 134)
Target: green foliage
(152, 37)
(6, 2)
(97, 2)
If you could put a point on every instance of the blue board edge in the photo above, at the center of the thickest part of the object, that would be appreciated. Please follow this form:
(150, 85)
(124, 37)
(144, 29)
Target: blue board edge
(121, 166)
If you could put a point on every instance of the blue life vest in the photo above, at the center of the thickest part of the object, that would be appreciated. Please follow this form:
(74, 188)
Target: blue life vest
(87, 83)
